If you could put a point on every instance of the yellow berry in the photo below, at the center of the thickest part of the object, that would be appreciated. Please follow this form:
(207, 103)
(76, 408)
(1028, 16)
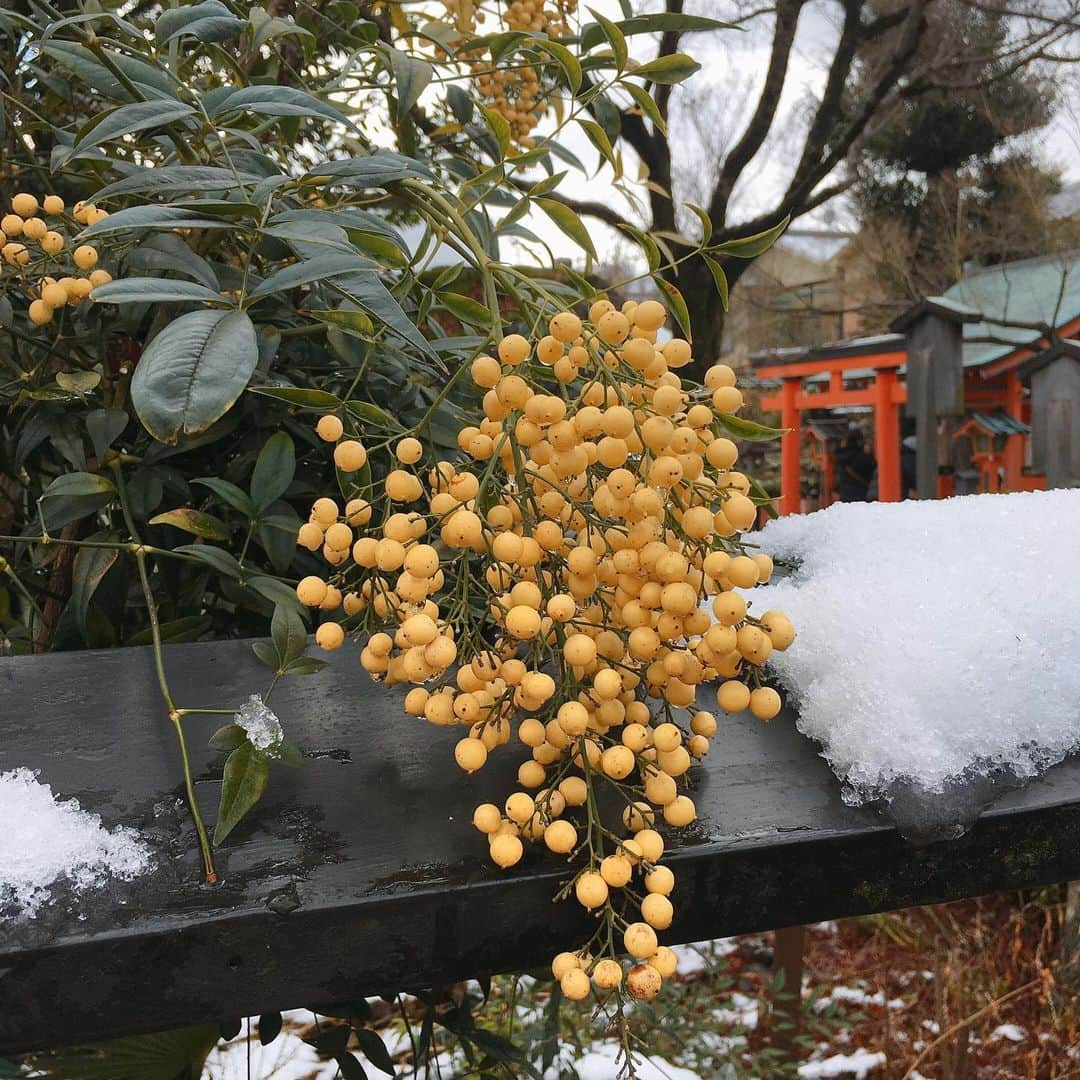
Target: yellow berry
(24, 205)
(506, 850)
(561, 837)
(54, 294)
(11, 225)
(329, 428)
(329, 636)
(52, 243)
(85, 257)
(607, 975)
(486, 816)
(470, 754)
(575, 985)
(311, 591)
(657, 911)
(660, 880)
(680, 811)
(34, 228)
(350, 455)
(513, 349)
(565, 327)
(639, 940)
(643, 982)
(40, 313)
(564, 962)
(616, 870)
(409, 451)
(765, 703)
(52, 205)
(591, 890)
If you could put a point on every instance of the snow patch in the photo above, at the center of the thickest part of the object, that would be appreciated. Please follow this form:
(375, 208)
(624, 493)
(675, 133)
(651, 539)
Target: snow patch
(858, 1064)
(45, 839)
(916, 621)
(1012, 1032)
(260, 722)
(854, 995)
(599, 1062)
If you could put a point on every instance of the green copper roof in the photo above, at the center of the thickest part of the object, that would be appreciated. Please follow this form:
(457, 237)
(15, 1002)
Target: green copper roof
(1042, 290)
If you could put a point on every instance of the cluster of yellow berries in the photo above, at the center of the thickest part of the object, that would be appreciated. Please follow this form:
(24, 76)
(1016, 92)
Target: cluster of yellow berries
(516, 92)
(25, 224)
(600, 517)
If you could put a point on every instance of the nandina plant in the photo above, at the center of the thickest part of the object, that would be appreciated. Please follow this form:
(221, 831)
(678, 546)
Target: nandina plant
(568, 587)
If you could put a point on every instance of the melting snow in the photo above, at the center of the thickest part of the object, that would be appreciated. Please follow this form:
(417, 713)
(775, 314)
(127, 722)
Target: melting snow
(938, 644)
(599, 1063)
(854, 995)
(260, 722)
(45, 839)
(857, 1064)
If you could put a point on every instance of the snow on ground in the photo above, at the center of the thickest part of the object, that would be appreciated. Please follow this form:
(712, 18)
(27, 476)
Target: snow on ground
(1012, 1032)
(700, 956)
(46, 839)
(855, 995)
(600, 1062)
(858, 1064)
(937, 640)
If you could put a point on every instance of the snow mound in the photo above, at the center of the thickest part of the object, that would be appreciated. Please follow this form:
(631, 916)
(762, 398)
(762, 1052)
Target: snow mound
(859, 1064)
(45, 839)
(938, 653)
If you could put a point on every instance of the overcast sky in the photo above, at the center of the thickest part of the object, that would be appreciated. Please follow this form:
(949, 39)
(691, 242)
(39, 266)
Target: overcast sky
(723, 95)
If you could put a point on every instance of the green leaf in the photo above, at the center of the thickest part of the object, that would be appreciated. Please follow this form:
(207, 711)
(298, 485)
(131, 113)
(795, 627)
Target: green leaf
(369, 293)
(569, 63)
(299, 396)
(615, 38)
(181, 1052)
(460, 104)
(411, 78)
(374, 1049)
(104, 426)
(372, 170)
(678, 307)
(79, 483)
(350, 1068)
(354, 323)
(647, 104)
(277, 592)
(598, 137)
(267, 28)
(704, 219)
(193, 521)
(77, 382)
(332, 264)
(275, 101)
(305, 665)
(217, 558)
(209, 20)
(748, 429)
(228, 738)
(364, 410)
(193, 371)
(128, 119)
(168, 252)
(174, 179)
(289, 635)
(89, 567)
(266, 654)
(499, 127)
(229, 494)
(274, 470)
(674, 68)
(152, 290)
(719, 277)
(247, 772)
(655, 23)
(750, 247)
(153, 216)
(189, 628)
(465, 308)
(148, 80)
(569, 223)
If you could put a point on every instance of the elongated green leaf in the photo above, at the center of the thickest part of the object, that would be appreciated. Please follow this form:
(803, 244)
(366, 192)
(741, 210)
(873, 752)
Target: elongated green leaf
(229, 494)
(174, 179)
(216, 558)
(73, 496)
(193, 521)
(354, 323)
(104, 426)
(276, 101)
(465, 308)
(299, 396)
(674, 68)
(647, 104)
(499, 127)
(267, 28)
(153, 290)
(79, 483)
(288, 633)
(228, 737)
(598, 137)
(719, 277)
(332, 264)
(749, 430)
(164, 252)
(678, 307)
(128, 119)
(372, 414)
(153, 216)
(569, 63)
(247, 772)
(369, 293)
(411, 78)
(750, 247)
(274, 469)
(656, 23)
(89, 567)
(372, 170)
(209, 20)
(191, 373)
(81, 62)
(569, 223)
(615, 38)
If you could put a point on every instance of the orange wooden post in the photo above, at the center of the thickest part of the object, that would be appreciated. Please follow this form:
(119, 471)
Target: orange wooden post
(790, 448)
(1014, 444)
(887, 435)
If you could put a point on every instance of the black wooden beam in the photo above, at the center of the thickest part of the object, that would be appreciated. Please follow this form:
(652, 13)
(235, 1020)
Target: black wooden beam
(360, 873)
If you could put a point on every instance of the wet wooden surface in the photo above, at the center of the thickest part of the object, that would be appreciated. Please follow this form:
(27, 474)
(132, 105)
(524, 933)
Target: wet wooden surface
(359, 873)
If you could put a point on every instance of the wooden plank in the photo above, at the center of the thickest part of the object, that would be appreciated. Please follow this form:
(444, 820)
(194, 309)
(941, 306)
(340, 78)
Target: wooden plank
(360, 873)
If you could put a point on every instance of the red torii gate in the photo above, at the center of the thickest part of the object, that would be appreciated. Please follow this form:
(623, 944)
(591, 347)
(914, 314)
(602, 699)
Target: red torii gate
(883, 356)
